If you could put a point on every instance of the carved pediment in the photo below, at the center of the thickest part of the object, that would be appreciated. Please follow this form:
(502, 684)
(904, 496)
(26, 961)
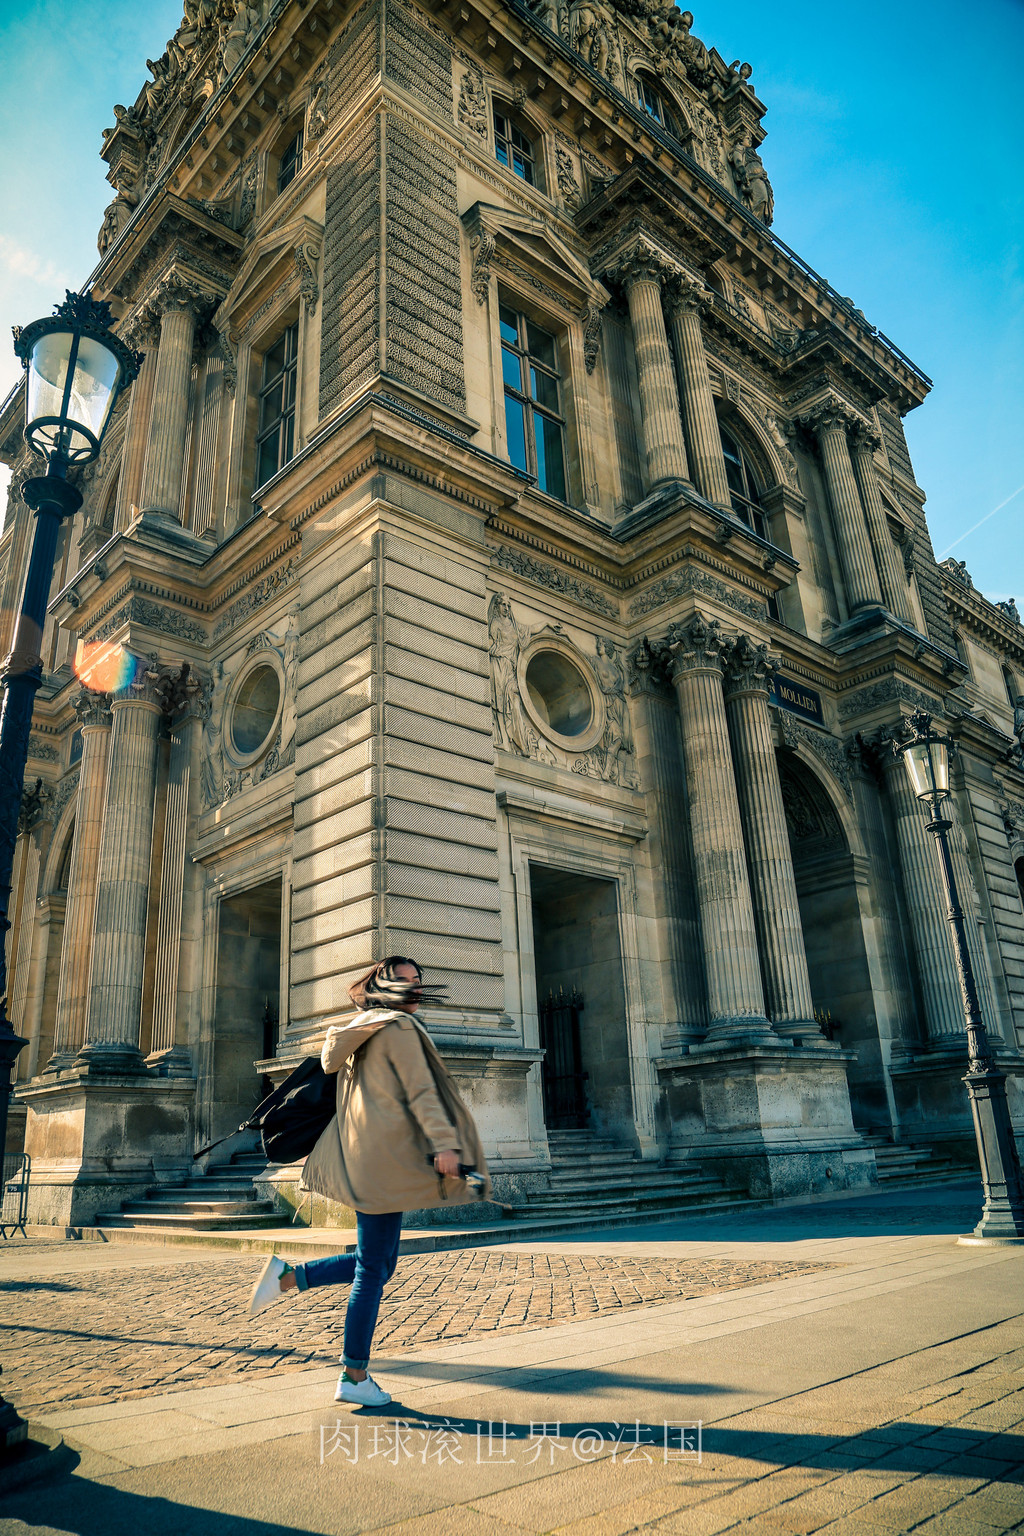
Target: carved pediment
(288, 255)
(521, 242)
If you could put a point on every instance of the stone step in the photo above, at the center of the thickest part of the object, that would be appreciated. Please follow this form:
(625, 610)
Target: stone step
(634, 1180)
(187, 1221)
(236, 1187)
(200, 1207)
(600, 1211)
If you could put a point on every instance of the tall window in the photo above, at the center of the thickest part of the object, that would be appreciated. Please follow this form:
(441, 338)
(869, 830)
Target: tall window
(534, 423)
(513, 148)
(275, 443)
(651, 101)
(291, 161)
(746, 498)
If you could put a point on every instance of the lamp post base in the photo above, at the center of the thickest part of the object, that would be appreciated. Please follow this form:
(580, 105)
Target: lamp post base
(972, 1240)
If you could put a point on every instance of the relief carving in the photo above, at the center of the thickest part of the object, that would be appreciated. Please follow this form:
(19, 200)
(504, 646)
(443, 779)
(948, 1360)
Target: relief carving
(617, 749)
(472, 107)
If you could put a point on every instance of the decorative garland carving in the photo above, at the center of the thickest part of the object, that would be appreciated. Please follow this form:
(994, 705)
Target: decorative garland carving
(544, 575)
(690, 579)
(254, 597)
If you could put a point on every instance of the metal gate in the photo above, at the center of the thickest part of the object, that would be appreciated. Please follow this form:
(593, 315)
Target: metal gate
(14, 1194)
(565, 1094)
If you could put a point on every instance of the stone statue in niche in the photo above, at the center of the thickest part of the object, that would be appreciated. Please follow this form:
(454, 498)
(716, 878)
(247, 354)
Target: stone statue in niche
(617, 748)
(290, 659)
(511, 731)
(316, 112)
(751, 180)
(212, 765)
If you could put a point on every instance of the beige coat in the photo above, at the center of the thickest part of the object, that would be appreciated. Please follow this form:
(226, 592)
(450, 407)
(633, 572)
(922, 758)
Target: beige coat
(397, 1106)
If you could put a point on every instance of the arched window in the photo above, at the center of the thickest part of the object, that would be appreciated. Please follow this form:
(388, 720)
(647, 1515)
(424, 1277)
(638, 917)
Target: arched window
(653, 101)
(1012, 687)
(743, 485)
(513, 148)
(1018, 870)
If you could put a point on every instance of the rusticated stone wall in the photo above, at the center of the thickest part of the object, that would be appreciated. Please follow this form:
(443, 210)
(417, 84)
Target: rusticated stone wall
(349, 347)
(395, 831)
(424, 288)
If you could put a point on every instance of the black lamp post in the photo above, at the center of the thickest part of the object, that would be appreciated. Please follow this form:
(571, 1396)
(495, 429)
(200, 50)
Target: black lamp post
(925, 755)
(76, 370)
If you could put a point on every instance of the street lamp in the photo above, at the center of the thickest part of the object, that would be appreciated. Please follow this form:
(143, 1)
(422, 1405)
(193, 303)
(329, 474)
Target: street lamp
(925, 755)
(76, 369)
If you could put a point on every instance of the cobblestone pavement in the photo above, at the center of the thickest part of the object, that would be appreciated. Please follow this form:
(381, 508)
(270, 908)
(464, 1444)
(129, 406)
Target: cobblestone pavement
(125, 1331)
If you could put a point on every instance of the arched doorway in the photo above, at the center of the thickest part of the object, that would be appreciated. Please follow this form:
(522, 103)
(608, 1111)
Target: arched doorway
(830, 911)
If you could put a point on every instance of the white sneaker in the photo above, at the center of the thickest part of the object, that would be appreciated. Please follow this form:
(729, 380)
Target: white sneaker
(268, 1287)
(366, 1393)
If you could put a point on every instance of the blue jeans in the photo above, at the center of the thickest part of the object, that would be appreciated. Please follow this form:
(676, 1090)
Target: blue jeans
(368, 1271)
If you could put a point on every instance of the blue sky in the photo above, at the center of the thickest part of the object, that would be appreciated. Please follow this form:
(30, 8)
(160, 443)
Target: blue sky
(894, 136)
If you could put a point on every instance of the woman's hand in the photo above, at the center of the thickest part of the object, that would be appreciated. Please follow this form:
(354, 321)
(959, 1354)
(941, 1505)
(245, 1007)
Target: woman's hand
(447, 1163)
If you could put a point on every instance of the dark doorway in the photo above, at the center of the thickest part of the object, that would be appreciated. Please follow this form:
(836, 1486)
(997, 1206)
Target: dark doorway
(565, 1094)
(248, 1001)
(586, 1070)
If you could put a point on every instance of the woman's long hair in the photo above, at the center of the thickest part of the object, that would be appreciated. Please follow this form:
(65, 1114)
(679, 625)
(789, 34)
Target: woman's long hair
(382, 987)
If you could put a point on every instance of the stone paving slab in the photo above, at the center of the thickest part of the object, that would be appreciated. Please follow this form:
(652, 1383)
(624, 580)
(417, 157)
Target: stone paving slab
(845, 1399)
(126, 1332)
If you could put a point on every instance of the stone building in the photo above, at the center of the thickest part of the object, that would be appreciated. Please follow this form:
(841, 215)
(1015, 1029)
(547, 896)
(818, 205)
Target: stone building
(511, 557)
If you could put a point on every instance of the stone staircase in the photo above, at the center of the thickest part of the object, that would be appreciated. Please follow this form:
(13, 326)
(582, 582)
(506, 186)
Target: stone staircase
(223, 1199)
(594, 1181)
(904, 1162)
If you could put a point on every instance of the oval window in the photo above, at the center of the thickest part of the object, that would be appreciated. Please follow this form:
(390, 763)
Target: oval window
(255, 710)
(559, 693)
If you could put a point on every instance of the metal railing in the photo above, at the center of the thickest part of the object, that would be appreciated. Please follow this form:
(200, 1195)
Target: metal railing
(14, 1194)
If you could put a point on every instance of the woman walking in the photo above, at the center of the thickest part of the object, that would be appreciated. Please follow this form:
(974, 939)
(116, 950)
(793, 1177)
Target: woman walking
(399, 1142)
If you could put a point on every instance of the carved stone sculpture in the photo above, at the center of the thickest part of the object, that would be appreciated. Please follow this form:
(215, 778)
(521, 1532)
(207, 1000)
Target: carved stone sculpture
(511, 731)
(752, 181)
(618, 749)
(472, 109)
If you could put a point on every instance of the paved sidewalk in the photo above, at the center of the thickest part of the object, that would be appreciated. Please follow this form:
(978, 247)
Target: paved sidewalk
(881, 1391)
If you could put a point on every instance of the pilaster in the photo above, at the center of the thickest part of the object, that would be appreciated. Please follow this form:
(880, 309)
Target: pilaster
(180, 305)
(187, 702)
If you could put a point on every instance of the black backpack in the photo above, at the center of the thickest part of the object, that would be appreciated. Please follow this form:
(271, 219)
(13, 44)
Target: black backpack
(293, 1117)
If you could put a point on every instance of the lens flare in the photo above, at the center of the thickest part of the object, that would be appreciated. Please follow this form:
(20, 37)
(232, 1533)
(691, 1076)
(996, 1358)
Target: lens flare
(104, 667)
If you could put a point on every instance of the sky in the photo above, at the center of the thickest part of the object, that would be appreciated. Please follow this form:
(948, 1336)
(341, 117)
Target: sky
(894, 134)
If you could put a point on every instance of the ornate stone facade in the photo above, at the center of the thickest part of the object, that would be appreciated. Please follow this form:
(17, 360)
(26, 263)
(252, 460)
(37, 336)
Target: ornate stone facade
(508, 555)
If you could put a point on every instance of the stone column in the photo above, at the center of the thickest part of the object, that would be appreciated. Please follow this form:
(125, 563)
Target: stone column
(93, 711)
(144, 334)
(179, 305)
(863, 443)
(642, 270)
(926, 904)
(114, 1016)
(186, 703)
(829, 421)
(685, 299)
(660, 760)
(770, 859)
(728, 933)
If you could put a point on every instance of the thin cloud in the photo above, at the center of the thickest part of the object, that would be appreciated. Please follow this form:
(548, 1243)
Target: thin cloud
(25, 263)
(985, 519)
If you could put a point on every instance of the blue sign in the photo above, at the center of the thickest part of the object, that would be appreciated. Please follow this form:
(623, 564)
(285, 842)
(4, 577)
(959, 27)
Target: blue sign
(800, 700)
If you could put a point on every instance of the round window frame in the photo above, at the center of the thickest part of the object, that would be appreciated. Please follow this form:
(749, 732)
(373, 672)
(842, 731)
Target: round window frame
(587, 739)
(231, 751)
